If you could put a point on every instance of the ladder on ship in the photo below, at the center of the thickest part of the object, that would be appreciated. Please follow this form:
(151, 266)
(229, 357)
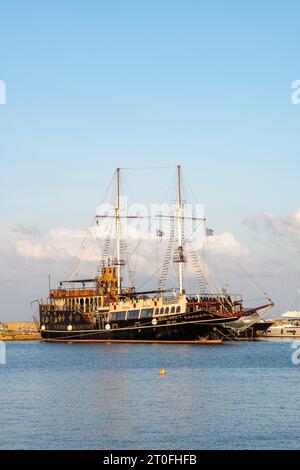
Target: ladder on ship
(197, 268)
(165, 267)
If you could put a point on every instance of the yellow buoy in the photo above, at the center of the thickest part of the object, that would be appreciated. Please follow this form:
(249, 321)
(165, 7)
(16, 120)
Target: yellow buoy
(162, 371)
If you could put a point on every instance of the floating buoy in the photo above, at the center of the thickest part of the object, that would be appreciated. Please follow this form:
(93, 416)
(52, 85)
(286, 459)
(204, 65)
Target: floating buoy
(162, 372)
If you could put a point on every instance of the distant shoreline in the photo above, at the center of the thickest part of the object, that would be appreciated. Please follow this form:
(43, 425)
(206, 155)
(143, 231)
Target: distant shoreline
(17, 336)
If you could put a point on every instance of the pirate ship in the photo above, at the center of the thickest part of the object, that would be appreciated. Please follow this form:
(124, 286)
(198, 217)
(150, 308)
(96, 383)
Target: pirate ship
(103, 309)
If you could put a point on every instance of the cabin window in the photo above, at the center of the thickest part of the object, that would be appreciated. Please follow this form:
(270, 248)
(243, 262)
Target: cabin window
(157, 311)
(178, 309)
(162, 311)
(133, 314)
(113, 316)
(173, 310)
(147, 313)
(121, 315)
(167, 310)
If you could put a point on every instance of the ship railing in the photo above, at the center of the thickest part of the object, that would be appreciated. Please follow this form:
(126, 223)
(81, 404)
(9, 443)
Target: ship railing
(68, 288)
(221, 297)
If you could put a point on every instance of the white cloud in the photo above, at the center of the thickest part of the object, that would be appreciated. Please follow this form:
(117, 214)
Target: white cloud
(58, 244)
(284, 229)
(226, 242)
(30, 249)
(62, 244)
(26, 230)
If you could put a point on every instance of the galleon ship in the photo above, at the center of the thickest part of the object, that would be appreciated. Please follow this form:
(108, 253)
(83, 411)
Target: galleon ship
(101, 309)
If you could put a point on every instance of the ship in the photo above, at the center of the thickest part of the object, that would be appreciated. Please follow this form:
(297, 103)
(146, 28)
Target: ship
(101, 309)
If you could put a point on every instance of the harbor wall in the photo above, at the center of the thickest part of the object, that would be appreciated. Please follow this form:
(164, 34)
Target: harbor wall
(18, 331)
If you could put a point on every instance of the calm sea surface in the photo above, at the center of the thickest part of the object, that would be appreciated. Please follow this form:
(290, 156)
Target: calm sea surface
(103, 396)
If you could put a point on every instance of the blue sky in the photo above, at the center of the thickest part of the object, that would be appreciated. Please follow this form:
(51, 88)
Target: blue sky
(95, 85)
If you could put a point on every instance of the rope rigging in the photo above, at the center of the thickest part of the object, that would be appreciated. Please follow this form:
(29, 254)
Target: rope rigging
(202, 274)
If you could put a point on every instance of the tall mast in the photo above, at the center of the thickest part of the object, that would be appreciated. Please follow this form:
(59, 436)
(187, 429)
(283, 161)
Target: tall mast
(118, 229)
(180, 225)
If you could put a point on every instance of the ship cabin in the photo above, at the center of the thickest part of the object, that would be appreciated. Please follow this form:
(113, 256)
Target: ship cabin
(146, 308)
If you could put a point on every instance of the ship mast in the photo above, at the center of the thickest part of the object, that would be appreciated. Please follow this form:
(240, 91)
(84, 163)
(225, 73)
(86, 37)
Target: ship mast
(118, 229)
(180, 258)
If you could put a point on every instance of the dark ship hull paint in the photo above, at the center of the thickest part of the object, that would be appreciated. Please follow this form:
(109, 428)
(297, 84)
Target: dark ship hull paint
(177, 328)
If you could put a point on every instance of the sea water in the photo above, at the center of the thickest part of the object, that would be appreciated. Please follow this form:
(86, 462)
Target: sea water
(242, 395)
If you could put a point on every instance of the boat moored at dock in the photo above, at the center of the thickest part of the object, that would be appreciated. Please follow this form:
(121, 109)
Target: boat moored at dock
(102, 309)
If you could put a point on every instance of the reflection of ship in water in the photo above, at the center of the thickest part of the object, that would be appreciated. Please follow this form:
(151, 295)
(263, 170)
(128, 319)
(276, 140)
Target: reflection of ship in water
(103, 309)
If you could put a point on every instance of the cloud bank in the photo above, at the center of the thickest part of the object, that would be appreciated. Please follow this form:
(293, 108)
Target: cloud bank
(284, 229)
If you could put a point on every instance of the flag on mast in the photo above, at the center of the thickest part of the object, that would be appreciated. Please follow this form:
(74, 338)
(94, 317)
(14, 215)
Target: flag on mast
(209, 232)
